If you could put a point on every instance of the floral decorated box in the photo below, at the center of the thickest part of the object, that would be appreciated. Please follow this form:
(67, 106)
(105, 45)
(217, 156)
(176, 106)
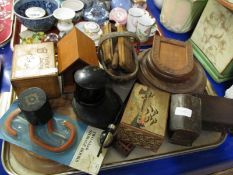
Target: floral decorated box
(213, 38)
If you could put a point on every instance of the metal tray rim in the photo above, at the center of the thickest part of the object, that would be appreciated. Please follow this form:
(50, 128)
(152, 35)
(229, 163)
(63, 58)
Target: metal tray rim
(10, 170)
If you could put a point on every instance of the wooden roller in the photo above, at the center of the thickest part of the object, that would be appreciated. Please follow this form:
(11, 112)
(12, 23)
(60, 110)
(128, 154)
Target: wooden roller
(107, 45)
(125, 50)
(115, 60)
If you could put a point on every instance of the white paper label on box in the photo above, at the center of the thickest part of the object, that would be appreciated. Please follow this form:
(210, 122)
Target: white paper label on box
(183, 111)
(85, 158)
(35, 72)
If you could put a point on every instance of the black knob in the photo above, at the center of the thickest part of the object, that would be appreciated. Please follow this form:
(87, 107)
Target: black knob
(90, 85)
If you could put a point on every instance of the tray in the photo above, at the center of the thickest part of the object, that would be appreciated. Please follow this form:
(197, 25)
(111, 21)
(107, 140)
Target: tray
(113, 159)
(7, 31)
(207, 140)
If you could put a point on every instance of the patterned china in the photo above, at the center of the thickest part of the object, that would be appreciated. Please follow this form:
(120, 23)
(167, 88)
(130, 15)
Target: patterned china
(36, 24)
(75, 5)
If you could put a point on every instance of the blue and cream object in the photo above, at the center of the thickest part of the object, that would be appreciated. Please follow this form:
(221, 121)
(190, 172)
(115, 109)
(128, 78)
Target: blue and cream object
(125, 4)
(96, 13)
(43, 23)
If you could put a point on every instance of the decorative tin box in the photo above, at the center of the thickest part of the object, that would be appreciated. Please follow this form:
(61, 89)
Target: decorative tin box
(208, 66)
(34, 66)
(212, 40)
(75, 51)
(145, 118)
(185, 119)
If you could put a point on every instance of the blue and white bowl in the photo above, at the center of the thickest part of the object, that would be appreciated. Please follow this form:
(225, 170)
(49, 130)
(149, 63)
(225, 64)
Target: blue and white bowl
(39, 24)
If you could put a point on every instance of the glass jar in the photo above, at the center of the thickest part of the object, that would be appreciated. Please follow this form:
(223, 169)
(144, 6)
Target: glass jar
(97, 13)
(125, 4)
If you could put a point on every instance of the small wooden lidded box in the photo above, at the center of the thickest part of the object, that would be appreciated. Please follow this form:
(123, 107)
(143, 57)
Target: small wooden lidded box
(185, 119)
(75, 51)
(34, 66)
(145, 117)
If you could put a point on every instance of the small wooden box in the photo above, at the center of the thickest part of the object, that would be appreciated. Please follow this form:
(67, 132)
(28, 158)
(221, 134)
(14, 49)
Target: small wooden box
(185, 119)
(75, 51)
(145, 118)
(34, 66)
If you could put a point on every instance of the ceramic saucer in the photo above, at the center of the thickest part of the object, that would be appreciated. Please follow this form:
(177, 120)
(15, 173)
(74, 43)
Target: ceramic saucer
(94, 32)
(35, 12)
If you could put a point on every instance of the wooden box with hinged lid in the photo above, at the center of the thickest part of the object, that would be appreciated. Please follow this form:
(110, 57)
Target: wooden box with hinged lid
(34, 66)
(145, 118)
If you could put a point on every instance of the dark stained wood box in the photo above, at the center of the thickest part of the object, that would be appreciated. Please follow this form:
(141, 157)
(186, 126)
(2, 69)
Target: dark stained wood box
(217, 113)
(185, 121)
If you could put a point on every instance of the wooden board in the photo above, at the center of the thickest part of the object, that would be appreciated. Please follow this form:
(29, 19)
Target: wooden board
(172, 57)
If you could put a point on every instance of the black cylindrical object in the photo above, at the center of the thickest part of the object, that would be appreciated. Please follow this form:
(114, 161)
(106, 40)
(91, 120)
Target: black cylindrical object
(95, 103)
(34, 104)
(90, 85)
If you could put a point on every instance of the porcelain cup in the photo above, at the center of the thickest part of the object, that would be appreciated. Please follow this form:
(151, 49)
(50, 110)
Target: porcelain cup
(76, 5)
(64, 17)
(133, 15)
(144, 26)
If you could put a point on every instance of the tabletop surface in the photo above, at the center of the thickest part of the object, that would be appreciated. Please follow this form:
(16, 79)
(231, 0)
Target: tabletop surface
(203, 162)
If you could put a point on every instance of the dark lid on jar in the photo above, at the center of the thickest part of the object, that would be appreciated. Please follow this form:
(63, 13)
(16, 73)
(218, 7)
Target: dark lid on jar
(35, 106)
(32, 99)
(91, 78)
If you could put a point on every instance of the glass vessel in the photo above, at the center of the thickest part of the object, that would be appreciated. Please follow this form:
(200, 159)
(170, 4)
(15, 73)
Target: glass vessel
(125, 4)
(96, 13)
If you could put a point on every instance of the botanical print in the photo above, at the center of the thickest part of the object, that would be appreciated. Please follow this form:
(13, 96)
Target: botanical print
(213, 34)
(214, 40)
